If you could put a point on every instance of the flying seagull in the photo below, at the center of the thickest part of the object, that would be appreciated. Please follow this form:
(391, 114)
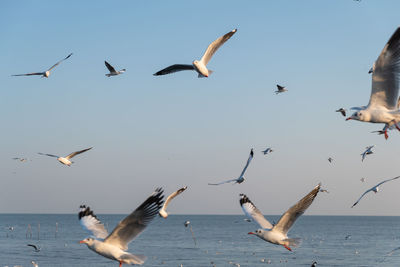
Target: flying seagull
(362, 180)
(277, 233)
(330, 159)
(281, 89)
(374, 189)
(199, 66)
(20, 159)
(267, 151)
(382, 106)
(163, 213)
(368, 151)
(113, 72)
(240, 179)
(66, 160)
(114, 245)
(37, 248)
(342, 110)
(44, 73)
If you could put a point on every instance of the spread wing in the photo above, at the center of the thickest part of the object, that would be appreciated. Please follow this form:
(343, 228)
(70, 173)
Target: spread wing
(172, 196)
(73, 154)
(55, 65)
(90, 222)
(253, 213)
(280, 87)
(213, 47)
(174, 68)
(385, 75)
(29, 74)
(248, 162)
(50, 155)
(290, 216)
(224, 182)
(109, 67)
(136, 222)
(366, 192)
(387, 180)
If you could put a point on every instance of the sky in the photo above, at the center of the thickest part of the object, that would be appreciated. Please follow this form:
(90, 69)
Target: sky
(178, 130)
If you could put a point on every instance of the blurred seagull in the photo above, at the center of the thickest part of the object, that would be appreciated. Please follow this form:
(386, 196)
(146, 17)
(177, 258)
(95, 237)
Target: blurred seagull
(330, 159)
(163, 213)
(374, 189)
(45, 73)
(323, 191)
(362, 180)
(199, 66)
(113, 72)
(37, 248)
(277, 234)
(382, 106)
(241, 177)
(114, 245)
(343, 111)
(267, 151)
(34, 264)
(368, 151)
(281, 89)
(66, 160)
(20, 159)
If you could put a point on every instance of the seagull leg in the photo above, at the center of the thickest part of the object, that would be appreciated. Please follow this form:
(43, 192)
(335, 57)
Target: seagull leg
(120, 263)
(288, 248)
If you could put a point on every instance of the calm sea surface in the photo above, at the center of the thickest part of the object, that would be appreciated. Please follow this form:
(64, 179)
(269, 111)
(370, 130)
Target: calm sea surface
(221, 240)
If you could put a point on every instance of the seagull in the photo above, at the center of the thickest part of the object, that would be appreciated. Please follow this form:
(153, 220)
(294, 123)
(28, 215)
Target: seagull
(44, 73)
(114, 245)
(163, 213)
(66, 160)
(199, 66)
(323, 191)
(368, 151)
(267, 151)
(362, 180)
(187, 223)
(314, 264)
(113, 72)
(374, 189)
(330, 159)
(277, 234)
(382, 106)
(281, 89)
(241, 177)
(37, 248)
(20, 159)
(34, 264)
(342, 110)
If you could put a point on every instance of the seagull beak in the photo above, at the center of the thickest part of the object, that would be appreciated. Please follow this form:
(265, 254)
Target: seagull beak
(349, 118)
(82, 242)
(251, 233)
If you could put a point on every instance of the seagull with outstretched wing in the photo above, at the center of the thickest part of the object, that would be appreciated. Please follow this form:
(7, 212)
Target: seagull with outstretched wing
(367, 151)
(163, 212)
(66, 160)
(37, 248)
(112, 71)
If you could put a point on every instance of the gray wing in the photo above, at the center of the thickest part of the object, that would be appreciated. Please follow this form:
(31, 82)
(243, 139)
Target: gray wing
(136, 222)
(280, 88)
(73, 154)
(290, 216)
(29, 74)
(50, 155)
(248, 162)
(213, 47)
(55, 65)
(174, 68)
(224, 182)
(253, 213)
(90, 222)
(366, 192)
(385, 75)
(387, 181)
(109, 67)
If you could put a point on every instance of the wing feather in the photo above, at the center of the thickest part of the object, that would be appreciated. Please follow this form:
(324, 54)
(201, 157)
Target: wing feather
(174, 68)
(55, 65)
(109, 67)
(91, 223)
(172, 196)
(252, 212)
(50, 155)
(248, 162)
(213, 47)
(73, 154)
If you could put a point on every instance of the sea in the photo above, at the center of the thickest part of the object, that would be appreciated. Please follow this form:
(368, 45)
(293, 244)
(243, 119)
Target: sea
(209, 240)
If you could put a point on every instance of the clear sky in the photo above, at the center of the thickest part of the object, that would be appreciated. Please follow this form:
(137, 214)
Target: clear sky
(178, 130)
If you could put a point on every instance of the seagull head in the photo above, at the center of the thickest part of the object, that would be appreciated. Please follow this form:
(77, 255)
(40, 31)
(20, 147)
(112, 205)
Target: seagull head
(258, 232)
(375, 189)
(88, 241)
(359, 116)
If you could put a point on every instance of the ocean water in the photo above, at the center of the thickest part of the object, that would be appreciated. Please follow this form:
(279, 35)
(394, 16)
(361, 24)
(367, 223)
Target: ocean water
(222, 240)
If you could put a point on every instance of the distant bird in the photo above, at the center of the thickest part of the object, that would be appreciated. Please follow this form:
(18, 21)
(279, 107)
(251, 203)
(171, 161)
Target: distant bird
(323, 191)
(347, 237)
(362, 180)
(342, 110)
(199, 66)
(37, 248)
(240, 179)
(277, 234)
(267, 151)
(44, 73)
(374, 189)
(391, 252)
(20, 159)
(330, 159)
(382, 106)
(66, 160)
(113, 72)
(187, 224)
(114, 245)
(163, 213)
(314, 264)
(368, 151)
(281, 89)
(34, 264)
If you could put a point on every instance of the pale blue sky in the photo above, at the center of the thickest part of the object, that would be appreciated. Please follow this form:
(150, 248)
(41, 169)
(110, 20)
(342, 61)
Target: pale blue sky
(179, 130)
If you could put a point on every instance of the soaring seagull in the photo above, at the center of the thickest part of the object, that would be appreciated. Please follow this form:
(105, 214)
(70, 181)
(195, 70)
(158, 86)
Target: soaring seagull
(374, 189)
(113, 72)
(44, 73)
(115, 245)
(240, 179)
(277, 233)
(199, 66)
(368, 151)
(66, 160)
(382, 106)
(267, 151)
(281, 89)
(163, 212)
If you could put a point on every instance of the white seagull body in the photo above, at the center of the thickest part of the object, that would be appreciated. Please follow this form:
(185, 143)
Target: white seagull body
(44, 73)
(240, 179)
(382, 106)
(374, 189)
(281, 89)
(267, 151)
(199, 66)
(114, 245)
(163, 212)
(113, 72)
(277, 234)
(368, 151)
(66, 160)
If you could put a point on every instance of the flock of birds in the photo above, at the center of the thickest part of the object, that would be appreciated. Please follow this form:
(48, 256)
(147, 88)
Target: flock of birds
(383, 108)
